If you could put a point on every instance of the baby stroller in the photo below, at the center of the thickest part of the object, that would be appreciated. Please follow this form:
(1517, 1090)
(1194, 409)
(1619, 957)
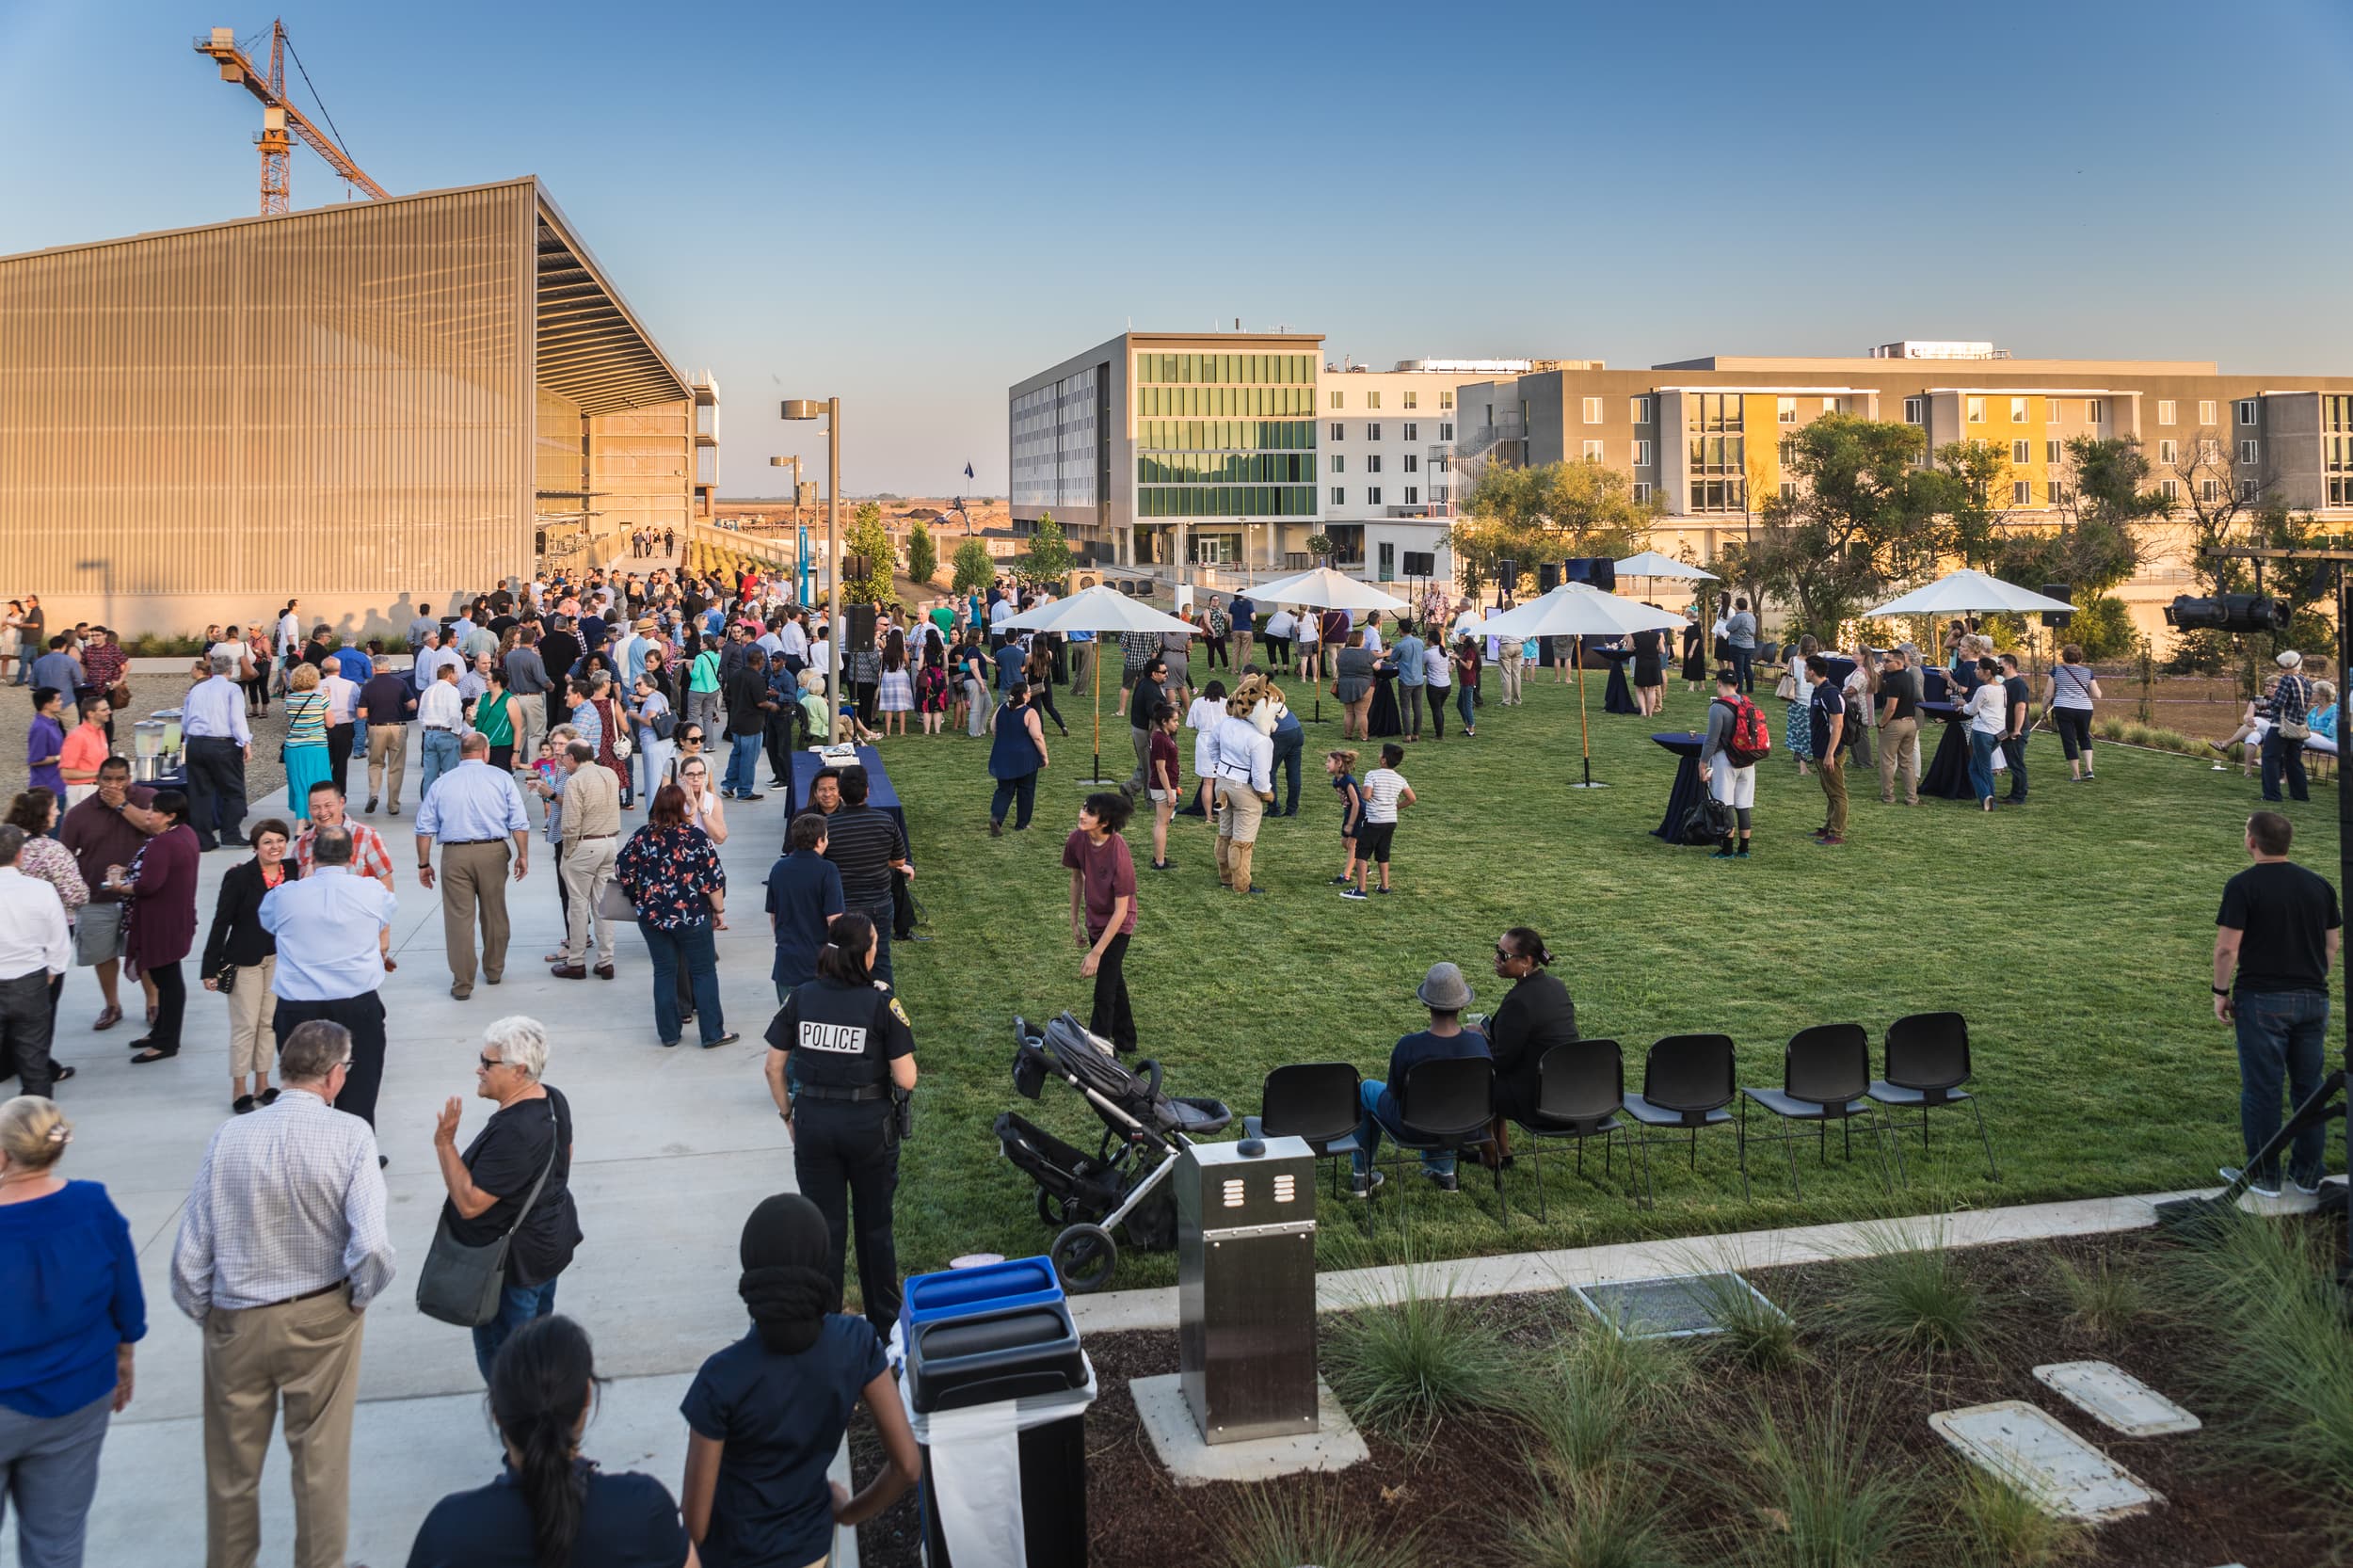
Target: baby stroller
(1121, 1184)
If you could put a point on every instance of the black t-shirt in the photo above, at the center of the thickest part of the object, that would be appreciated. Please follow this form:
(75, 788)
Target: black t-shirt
(1827, 704)
(781, 1417)
(2284, 913)
(504, 1159)
(627, 1521)
(2014, 697)
(559, 652)
(747, 688)
(841, 1036)
(1903, 687)
(1148, 695)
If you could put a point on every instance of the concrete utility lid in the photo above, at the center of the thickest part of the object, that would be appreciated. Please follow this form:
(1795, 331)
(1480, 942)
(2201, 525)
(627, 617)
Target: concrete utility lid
(2116, 1397)
(2028, 1448)
(1335, 1445)
(1676, 1307)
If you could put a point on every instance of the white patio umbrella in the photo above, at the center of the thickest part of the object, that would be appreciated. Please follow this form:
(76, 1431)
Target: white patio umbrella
(1325, 590)
(1964, 591)
(1099, 610)
(1650, 564)
(1576, 610)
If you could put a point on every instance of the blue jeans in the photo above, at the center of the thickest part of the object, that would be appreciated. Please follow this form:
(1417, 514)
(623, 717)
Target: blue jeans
(2283, 758)
(49, 1470)
(1379, 1108)
(691, 947)
(2281, 1035)
(1981, 749)
(518, 1305)
(743, 764)
(1741, 658)
(1464, 695)
(882, 915)
(1289, 743)
(441, 757)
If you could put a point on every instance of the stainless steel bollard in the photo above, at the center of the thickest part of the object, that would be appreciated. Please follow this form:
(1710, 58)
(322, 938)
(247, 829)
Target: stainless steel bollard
(1246, 1287)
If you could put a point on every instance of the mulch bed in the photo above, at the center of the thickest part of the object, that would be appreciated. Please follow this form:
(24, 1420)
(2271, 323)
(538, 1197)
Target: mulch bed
(1458, 1487)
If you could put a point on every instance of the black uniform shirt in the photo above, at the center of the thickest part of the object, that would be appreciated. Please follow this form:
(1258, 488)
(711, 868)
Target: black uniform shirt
(841, 1036)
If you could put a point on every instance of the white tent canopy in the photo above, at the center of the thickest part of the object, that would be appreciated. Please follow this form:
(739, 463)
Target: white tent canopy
(1650, 564)
(1577, 610)
(1324, 589)
(1965, 590)
(1096, 609)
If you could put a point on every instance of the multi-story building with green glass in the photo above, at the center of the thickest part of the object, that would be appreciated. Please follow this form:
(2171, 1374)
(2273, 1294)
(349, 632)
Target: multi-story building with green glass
(1158, 449)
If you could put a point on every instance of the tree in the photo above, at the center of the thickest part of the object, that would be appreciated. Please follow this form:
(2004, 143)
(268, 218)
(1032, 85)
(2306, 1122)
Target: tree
(867, 539)
(2104, 503)
(975, 568)
(1976, 472)
(1854, 524)
(923, 555)
(1048, 561)
(1549, 513)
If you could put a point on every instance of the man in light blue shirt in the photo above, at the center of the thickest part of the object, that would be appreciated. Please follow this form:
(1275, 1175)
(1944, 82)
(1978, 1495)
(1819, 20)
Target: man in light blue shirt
(218, 743)
(329, 927)
(1406, 655)
(473, 810)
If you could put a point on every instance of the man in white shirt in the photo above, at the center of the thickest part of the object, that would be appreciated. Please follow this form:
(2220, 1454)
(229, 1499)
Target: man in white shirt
(329, 928)
(793, 642)
(442, 717)
(342, 696)
(219, 743)
(34, 946)
(1245, 787)
(289, 637)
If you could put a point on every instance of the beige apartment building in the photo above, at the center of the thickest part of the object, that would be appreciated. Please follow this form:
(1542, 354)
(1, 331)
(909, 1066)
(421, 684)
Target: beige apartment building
(356, 405)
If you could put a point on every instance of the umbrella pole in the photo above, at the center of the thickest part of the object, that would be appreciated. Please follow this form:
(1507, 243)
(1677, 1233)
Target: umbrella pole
(1584, 734)
(1099, 779)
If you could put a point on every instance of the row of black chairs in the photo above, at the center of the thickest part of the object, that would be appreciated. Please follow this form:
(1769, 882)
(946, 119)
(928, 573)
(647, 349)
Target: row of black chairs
(1688, 1084)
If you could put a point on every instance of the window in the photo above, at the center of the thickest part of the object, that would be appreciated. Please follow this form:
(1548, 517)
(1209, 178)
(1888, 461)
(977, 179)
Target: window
(2165, 410)
(2051, 411)
(1976, 411)
(1789, 452)
(1337, 463)
(1717, 449)
(1916, 410)
(1592, 452)
(2171, 489)
(2246, 490)
(2209, 491)
(1440, 463)
(1372, 496)
(2209, 450)
(1340, 400)
(1372, 400)
(1372, 462)
(2021, 452)
(1638, 409)
(1642, 454)
(1413, 495)
(1413, 400)
(2169, 452)
(1413, 463)
(2247, 451)
(1372, 432)
(2205, 413)
(1789, 489)
(2020, 492)
(1829, 406)
(1786, 410)
(1593, 411)
(2247, 410)
(2051, 453)
(2018, 410)
(1641, 491)
(1446, 400)
(2094, 410)
(1339, 496)
(1445, 429)
(1412, 432)
(1339, 431)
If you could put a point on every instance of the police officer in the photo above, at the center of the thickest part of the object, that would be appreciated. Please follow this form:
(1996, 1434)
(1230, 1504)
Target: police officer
(838, 1049)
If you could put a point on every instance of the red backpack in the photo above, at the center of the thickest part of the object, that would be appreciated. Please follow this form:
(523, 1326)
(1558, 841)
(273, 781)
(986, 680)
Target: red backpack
(1750, 742)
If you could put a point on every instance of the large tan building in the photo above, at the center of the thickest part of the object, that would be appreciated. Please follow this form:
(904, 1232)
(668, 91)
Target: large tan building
(358, 407)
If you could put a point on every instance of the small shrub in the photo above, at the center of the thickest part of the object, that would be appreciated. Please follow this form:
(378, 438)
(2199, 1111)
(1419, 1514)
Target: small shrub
(1589, 1415)
(1401, 1365)
(1815, 1497)
(1917, 1297)
(1268, 1528)
(2005, 1529)
(2103, 1299)
(1756, 1335)
(1608, 1520)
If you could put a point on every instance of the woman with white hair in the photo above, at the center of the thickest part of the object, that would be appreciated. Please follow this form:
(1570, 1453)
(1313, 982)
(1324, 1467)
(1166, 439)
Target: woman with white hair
(513, 1179)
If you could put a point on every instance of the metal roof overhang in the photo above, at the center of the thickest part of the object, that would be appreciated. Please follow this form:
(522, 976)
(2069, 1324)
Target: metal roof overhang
(592, 349)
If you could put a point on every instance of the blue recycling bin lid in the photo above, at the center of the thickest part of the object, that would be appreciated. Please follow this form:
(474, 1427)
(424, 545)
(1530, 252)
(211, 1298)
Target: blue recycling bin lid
(1017, 1283)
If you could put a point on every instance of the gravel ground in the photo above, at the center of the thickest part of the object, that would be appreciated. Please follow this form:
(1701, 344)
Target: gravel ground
(264, 775)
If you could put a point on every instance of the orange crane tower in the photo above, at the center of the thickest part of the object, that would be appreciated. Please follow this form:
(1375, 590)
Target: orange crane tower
(278, 117)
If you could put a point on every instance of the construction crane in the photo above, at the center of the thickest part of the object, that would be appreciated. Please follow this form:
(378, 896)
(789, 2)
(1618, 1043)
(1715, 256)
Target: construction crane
(278, 117)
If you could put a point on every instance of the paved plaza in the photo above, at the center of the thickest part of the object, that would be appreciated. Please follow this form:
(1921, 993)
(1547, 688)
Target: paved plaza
(673, 1148)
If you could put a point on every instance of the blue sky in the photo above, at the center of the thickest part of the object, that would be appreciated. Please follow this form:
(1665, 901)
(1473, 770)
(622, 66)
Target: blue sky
(912, 205)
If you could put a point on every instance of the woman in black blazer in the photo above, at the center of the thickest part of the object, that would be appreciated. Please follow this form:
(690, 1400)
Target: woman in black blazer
(242, 958)
(1536, 1016)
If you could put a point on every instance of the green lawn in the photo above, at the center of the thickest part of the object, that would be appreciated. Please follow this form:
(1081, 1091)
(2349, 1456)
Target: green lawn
(2074, 934)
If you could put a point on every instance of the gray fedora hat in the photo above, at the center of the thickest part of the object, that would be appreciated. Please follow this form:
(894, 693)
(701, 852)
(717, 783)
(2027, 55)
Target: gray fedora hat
(1445, 989)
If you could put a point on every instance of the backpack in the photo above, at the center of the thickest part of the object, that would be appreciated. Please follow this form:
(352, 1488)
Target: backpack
(1750, 742)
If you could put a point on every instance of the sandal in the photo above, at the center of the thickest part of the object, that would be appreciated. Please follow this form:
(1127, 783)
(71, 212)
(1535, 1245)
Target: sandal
(108, 1018)
(269, 1096)
(242, 1104)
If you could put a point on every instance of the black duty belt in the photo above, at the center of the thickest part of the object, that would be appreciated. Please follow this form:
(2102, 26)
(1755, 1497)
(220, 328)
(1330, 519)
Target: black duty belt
(819, 1092)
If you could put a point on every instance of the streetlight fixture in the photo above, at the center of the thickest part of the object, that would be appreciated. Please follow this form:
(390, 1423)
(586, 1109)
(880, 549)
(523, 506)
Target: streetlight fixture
(830, 411)
(793, 463)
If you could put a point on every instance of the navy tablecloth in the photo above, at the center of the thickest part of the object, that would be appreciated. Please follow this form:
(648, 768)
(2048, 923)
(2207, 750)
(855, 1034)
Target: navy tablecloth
(1688, 790)
(879, 794)
(1948, 770)
(1620, 696)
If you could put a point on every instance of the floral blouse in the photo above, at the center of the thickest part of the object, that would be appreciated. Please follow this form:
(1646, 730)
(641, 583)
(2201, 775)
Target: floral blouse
(49, 861)
(669, 874)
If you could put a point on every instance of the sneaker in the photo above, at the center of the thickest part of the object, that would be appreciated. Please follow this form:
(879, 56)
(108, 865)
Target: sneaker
(2232, 1174)
(1163, 865)
(1365, 1185)
(1385, 893)
(371, 804)
(1723, 851)
(1444, 1182)
(1355, 893)
(1831, 840)
(1742, 852)
(1342, 881)
(2302, 1190)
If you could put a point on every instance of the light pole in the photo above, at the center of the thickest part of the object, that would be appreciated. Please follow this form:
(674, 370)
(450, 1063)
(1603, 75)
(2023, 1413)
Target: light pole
(830, 411)
(793, 462)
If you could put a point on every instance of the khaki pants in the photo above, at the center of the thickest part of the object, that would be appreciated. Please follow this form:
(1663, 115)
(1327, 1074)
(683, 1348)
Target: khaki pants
(473, 882)
(588, 866)
(530, 715)
(304, 1354)
(1834, 771)
(252, 1040)
(1239, 811)
(388, 753)
(1513, 652)
(1242, 649)
(1899, 753)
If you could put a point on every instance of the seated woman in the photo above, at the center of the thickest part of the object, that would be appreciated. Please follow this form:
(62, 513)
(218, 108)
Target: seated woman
(2253, 720)
(2322, 716)
(1536, 1016)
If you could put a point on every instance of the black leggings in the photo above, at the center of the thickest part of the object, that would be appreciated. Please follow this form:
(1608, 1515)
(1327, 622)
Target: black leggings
(1046, 701)
(1112, 1018)
(2074, 730)
(172, 1005)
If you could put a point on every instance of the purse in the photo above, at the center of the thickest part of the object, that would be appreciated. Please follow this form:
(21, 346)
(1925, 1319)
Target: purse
(613, 904)
(1785, 689)
(226, 980)
(462, 1284)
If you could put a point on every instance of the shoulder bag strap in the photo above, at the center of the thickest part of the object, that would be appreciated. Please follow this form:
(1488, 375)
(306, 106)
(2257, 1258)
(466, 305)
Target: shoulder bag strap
(555, 1147)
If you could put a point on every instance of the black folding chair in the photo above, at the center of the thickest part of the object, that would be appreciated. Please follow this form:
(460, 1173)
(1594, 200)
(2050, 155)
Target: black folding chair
(1447, 1107)
(1316, 1102)
(1686, 1082)
(1825, 1074)
(1581, 1089)
(1927, 1062)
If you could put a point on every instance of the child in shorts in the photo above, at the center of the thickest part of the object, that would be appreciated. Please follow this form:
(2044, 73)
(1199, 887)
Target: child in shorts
(1162, 782)
(1340, 768)
(1386, 793)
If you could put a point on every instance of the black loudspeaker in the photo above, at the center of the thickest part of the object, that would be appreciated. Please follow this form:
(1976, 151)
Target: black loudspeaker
(1508, 572)
(1421, 563)
(1548, 577)
(861, 620)
(2059, 618)
(1596, 571)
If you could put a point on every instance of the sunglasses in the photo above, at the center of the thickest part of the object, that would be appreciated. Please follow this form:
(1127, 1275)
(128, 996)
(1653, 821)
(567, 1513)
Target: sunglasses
(1505, 956)
(489, 1062)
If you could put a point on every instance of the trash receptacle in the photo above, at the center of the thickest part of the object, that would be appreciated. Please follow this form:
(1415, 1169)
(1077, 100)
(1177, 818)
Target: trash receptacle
(1246, 1287)
(997, 1388)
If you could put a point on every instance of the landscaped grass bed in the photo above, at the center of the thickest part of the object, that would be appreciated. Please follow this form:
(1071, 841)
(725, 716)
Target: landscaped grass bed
(2075, 934)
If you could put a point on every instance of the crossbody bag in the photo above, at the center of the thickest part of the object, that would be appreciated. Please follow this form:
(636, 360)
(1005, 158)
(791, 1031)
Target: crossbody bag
(463, 1285)
(2298, 728)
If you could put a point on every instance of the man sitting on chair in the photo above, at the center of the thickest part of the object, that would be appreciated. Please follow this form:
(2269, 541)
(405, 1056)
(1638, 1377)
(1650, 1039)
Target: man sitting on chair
(1445, 993)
